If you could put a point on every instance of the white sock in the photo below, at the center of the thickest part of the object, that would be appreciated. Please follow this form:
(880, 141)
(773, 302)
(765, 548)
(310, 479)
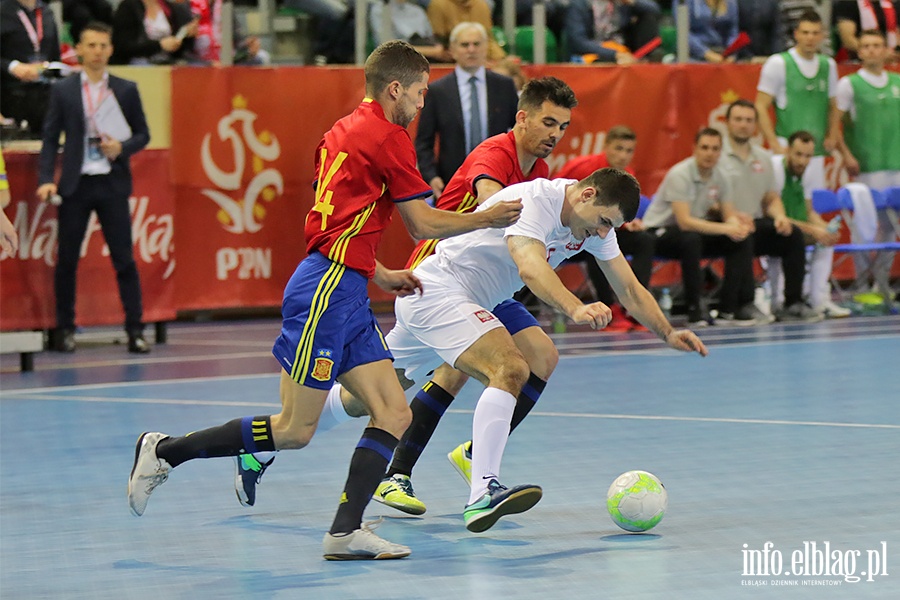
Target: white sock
(819, 273)
(333, 413)
(490, 430)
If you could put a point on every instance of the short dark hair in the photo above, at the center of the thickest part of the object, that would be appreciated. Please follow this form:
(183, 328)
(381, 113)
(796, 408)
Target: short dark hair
(395, 60)
(741, 102)
(98, 27)
(615, 188)
(809, 16)
(620, 132)
(707, 131)
(803, 136)
(547, 89)
(876, 32)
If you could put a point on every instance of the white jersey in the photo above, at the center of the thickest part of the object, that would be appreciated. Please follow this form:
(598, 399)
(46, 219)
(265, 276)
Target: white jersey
(480, 262)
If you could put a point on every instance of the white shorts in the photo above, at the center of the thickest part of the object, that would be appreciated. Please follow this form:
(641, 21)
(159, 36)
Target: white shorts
(436, 327)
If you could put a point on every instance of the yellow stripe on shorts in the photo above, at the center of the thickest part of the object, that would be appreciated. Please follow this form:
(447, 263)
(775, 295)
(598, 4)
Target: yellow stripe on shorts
(327, 285)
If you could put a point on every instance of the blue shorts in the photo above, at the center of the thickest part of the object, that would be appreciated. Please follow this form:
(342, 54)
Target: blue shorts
(514, 316)
(327, 324)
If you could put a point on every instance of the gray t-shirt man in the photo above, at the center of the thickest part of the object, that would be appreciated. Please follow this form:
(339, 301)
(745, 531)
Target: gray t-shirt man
(751, 179)
(683, 184)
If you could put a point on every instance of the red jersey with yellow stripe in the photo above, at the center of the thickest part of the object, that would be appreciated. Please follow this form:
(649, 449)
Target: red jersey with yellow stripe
(364, 164)
(495, 158)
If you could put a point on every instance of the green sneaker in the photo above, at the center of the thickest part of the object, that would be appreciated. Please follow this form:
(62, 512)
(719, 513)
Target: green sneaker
(397, 492)
(461, 459)
(499, 501)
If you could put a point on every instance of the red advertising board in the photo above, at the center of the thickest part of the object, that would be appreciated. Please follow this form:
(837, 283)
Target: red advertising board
(26, 279)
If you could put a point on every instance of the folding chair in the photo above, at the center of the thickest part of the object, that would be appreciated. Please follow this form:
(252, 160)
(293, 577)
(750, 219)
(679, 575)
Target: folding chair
(827, 201)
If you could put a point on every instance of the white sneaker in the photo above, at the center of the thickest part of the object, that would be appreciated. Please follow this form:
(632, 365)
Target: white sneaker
(362, 544)
(830, 310)
(148, 472)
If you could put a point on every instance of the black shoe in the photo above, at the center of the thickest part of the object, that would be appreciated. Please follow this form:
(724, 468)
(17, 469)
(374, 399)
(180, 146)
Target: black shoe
(63, 340)
(137, 344)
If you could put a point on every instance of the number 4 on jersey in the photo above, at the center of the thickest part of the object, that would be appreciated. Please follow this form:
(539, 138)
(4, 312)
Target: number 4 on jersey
(323, 194)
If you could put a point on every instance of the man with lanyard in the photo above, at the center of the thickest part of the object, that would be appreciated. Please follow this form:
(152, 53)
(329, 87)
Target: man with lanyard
(28, 40)
(96, 177)
(801, 83)
(868, 107)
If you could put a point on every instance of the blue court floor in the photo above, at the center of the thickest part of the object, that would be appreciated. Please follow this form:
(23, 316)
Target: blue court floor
(779, 452)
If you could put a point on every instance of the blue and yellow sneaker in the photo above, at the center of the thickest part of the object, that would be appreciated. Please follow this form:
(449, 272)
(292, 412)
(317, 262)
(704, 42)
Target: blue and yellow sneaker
(499, 501)
(461, 459)
(397, 492)
(247, 473)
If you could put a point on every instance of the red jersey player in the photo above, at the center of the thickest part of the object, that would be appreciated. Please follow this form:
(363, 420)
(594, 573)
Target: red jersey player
(366, 166)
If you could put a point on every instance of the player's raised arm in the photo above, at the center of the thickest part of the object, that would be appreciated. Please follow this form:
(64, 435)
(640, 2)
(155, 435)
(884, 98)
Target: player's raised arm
(424, 222)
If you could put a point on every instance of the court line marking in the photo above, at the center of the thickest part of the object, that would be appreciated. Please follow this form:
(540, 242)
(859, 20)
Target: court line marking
(610, 416)
(662, 350)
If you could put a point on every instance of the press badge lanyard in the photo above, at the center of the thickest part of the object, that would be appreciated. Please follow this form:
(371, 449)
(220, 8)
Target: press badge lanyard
(89, 110)
(35, 35)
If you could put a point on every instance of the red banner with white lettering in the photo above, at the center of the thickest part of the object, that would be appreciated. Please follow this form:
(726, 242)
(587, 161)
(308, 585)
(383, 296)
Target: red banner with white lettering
(27, 298)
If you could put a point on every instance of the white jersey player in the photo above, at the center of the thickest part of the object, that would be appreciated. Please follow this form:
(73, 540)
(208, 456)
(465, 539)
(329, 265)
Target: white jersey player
(451, 321)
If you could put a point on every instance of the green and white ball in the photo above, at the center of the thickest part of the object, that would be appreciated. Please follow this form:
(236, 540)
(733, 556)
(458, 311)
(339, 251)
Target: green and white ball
(637, 501)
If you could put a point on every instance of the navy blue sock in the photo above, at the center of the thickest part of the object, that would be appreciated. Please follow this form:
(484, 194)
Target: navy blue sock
(427, 407)
(367, 466)
(240, 436)
(528, 397)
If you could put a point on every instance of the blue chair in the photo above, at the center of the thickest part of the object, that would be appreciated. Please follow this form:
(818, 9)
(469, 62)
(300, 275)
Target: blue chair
(642, 209)
(827, 201)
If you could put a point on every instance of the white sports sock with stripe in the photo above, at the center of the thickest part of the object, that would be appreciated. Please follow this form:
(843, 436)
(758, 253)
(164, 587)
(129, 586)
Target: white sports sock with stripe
(490, 430)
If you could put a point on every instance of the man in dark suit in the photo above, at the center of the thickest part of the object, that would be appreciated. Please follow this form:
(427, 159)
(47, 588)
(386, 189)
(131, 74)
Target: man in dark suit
(451, 102)
(95, 177)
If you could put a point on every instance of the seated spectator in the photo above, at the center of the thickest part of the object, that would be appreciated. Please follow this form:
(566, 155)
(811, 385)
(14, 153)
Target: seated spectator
(680, 216)
(634, 241)
(853, 16)
(447, 14)
(555, 11)
(761, 20)
(334, 28)
(611, 29)
(713, 27)
(158, 32)
(757, 197)
(410, 23)
(208, 43)
(78, 13)
(24, 85)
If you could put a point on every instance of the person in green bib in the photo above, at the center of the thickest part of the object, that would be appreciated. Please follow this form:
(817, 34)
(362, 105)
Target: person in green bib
(796, 196)
(868, 107)
(801, 84)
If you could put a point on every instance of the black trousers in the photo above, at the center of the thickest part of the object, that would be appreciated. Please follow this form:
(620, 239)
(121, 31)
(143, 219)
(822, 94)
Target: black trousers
(640, 246)
(95, 194)
(689, 247)
(792, 251)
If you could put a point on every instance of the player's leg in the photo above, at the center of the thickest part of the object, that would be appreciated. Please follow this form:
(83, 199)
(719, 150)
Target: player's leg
(542, 358)
(495, 361)
(428, 406)
(156, 453)
(376, 386)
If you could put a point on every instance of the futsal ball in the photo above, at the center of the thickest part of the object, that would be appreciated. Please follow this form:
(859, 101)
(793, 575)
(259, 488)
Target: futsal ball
(637, 501)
